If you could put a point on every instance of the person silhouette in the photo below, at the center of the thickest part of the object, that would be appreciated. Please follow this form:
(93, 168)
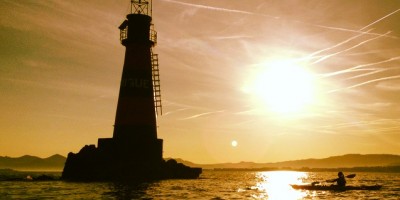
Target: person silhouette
(341, 181)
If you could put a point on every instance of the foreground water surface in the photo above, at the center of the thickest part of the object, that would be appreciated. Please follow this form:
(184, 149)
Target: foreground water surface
(211, 185)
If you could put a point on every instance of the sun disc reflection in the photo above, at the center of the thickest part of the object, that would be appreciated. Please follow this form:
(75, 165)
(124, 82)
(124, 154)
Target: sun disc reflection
(275, 185)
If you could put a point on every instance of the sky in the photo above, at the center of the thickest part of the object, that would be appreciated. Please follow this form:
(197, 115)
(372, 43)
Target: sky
(259, 80)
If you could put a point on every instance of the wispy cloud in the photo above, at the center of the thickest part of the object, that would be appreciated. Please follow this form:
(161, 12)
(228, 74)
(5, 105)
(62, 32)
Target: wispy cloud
(202, 114)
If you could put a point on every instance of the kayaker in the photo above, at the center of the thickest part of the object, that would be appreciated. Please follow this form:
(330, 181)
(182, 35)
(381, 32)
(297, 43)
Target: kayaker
(341, 181)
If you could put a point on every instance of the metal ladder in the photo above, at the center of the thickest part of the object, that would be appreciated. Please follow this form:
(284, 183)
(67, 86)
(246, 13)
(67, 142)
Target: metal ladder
(156, 83)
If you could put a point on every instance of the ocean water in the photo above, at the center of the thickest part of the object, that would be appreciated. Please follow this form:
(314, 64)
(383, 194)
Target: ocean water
(212, 184)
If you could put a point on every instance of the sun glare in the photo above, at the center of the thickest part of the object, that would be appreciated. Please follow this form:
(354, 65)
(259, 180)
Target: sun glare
(276, 185)
(234, 143)
(283, 86)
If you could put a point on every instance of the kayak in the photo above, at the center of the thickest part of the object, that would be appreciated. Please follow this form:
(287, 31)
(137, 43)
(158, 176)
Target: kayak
(335, 187)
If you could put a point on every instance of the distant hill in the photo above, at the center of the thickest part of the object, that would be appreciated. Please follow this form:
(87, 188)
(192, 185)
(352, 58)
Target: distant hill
(56, 162)
(52, 163)
(348, 160)
(344, 161)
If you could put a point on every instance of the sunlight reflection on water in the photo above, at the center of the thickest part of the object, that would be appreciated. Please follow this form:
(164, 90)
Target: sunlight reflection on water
(212, 184)
(276, 185)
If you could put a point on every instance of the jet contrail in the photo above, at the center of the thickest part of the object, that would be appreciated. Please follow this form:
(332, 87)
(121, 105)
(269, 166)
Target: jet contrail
(366, 82)
(380, 19)
(213, 8)
(312, 55)
(359, 66)
(372, 71)
(354, 37)
(174, 111)
(348, 49)
(202, 114)
(273, 17)
(351, 30)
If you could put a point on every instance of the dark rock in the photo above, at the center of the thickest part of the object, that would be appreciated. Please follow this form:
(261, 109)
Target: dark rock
(110, 164)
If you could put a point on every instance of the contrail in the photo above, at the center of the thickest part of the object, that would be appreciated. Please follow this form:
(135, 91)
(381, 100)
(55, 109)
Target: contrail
(360, 66)
(312, 55)
(269, 16)
(354, 37)
(202, 114)
(233, 37)
(351, 30)
(174, 111)
(380, 19)
(215, 8)
(374, 80)
(373, 71)
(366, 82)
(348, 49)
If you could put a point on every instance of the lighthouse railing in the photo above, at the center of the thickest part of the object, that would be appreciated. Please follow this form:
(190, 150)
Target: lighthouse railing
(142, 7)
(153, 36)
(123, 34)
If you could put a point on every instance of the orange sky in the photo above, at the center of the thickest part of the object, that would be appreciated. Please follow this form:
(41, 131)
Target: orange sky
(284, 79)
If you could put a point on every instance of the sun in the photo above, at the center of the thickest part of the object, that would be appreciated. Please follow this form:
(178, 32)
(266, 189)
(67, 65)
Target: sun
(283, 86)
(234, 143)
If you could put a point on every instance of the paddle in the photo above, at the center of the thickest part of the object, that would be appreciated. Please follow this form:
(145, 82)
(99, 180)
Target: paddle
(348, 176)
(333, 180)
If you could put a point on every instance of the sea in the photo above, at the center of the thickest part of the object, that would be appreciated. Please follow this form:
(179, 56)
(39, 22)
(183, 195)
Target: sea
(212, 184)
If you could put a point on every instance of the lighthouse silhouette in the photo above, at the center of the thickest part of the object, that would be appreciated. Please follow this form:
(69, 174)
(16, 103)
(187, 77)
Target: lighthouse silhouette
(134, 152)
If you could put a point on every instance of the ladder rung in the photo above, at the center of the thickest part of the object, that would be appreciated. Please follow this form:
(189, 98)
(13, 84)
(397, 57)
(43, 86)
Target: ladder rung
(156, 83)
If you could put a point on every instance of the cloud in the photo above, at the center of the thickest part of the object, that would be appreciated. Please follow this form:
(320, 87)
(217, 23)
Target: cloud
(391, 85)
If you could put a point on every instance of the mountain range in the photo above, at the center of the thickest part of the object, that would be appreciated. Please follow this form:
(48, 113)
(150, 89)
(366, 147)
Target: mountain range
(343, 161)
(56, 162)
(53, 163)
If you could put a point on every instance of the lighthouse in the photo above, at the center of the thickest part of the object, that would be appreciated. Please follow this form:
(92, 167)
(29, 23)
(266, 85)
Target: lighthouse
(134, 152)
(139, 95)
(135, 128)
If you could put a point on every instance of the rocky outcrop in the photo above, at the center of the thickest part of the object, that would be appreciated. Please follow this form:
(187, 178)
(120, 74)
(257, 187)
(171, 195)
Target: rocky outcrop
(95, 164)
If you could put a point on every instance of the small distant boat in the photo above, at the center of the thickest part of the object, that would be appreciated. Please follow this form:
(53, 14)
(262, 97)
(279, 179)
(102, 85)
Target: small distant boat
(335, 187)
